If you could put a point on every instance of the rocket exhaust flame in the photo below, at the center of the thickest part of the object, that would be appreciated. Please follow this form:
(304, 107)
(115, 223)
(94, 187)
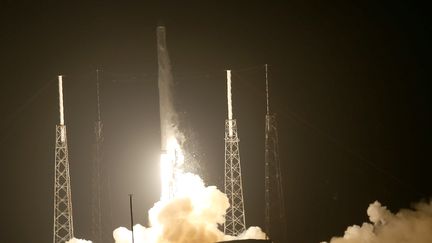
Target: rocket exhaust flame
(166, 171)
(188, 211)
(171, 161)
(171, 157)
(191, 215)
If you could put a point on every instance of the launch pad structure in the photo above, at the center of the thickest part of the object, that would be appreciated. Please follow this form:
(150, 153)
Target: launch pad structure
(235, 222)
(235, 219)
(63, 220)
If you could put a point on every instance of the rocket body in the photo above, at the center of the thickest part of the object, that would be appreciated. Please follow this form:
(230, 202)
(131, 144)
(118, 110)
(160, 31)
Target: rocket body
(171, 155)
(168, 117)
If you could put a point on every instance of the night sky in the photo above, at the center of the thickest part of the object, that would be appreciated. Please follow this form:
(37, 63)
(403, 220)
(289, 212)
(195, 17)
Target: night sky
(349, 82)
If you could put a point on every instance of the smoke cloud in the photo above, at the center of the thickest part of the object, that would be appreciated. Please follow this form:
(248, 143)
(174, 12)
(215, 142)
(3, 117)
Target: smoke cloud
(75, 240)
(192, 216)
(406, 226)
(188, 210)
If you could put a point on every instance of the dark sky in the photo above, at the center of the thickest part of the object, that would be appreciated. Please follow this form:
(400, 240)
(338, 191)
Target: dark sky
(350, 83)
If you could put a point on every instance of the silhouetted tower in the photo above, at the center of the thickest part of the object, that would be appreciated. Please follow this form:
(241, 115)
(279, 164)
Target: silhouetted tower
(63, 222)
(275, 221)
(235, 216)
(96, 173)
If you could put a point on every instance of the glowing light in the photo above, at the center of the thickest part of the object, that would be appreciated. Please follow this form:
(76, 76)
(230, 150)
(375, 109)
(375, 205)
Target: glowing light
(60, 80)
(193, 215)
(229, 98)
(166, 171)
(174, 151)
(188, 185)
(170, 168)
(62, 133)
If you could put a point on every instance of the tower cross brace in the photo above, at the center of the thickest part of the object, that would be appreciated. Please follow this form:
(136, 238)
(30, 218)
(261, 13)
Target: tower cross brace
(63, 220)
(235, 216)
(235, 222)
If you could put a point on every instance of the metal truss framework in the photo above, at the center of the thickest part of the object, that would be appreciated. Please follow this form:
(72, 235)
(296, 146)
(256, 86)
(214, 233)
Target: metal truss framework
(235, 216)
(63, 221)
(96, 228)
(275, 220)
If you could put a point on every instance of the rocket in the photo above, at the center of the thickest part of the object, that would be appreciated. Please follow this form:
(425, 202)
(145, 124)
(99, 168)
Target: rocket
(168, 118)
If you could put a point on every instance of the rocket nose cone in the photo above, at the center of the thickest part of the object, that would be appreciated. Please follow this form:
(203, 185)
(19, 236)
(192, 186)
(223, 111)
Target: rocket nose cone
(160, 26)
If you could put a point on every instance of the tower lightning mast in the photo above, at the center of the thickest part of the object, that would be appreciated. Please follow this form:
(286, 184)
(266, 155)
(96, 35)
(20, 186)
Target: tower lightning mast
(63, 221)
(235, 216)
(275, 221)
(96, 177)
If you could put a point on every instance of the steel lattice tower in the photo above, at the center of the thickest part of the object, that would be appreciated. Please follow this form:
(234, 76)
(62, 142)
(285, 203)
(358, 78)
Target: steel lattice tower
(235, 216)
(275, 221)
(63, 221)
(96, 173)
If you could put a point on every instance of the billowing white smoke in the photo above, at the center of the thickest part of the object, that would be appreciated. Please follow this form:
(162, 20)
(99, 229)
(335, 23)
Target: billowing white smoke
(192, 216)
(188, 210)
(75, 240)
(406, 226)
